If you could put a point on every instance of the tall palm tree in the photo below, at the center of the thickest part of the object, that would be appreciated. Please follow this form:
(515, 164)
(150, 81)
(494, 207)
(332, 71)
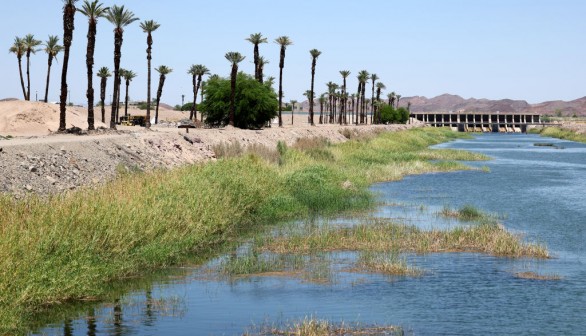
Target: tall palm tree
(163, 72)
(283, 41)
(379, 87)
(18, 49)
(293, 102)
(52, 48)
(256, 39)
(120, 18)
(30, 44)
(234, 58)
(68, 27)
(103, 73)
(363, 79)
(398, 100)
(197, 72)
(352, 101)
(314, 55)
(261, 67)
(93, 10)
(345, 74)
(128, 76)
(373, 78)
(322, 101)
(149, 26)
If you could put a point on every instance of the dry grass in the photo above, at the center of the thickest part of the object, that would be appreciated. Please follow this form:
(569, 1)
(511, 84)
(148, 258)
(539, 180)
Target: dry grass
(535, 276)
(385, 236)
(311, 326)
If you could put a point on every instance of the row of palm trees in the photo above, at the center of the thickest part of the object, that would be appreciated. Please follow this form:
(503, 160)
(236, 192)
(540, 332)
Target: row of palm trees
(340, 102)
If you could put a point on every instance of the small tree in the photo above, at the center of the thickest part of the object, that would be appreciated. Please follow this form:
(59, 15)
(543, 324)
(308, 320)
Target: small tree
(256, 103)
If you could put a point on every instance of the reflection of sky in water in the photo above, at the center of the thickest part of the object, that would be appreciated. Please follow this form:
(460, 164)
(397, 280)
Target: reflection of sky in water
(539, 190)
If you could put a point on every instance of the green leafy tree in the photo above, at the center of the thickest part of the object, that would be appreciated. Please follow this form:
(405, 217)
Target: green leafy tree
(68, 27)
(93, 10)
(120, 18)
(257, 39)
(52, 48)
(390, 115)
(314, 55)
(103, 73)
(284, 42)
(234, 58)
(19, 50)
(256, 103)
(163, 72)
(149, 27)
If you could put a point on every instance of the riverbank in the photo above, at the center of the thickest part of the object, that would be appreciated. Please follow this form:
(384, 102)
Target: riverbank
(572, 131)
(70, 247)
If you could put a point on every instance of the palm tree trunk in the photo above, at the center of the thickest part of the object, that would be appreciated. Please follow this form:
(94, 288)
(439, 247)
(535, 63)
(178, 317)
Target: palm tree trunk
(49, 64)
(91, 46)
(372, 105)
(201, 93)
(193, 114)
(195, 95)
(68, 26)
(103, 97)
(126, 99)
(28, 75)
(313, 63)
(233, 92)
(118, 38)
(118, 99)
(149, 57)
(281, 66)
(21, 77)
(159, 94)
(256, 57)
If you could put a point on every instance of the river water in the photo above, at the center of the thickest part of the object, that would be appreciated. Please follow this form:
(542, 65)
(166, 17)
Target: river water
(539, 191)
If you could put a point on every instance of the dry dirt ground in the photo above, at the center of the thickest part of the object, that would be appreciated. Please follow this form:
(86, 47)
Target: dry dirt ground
(35, 160)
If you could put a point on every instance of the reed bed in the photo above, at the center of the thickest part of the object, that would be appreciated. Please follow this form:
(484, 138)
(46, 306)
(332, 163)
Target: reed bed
(560, 133)
(385, 236)
(72, 247)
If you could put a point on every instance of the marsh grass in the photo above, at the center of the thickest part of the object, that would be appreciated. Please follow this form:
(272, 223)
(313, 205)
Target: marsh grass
(536, 276)
(71, 247)
(560, 133)
(469, 213)
(380, 235)
(312, 326)
(389, 263)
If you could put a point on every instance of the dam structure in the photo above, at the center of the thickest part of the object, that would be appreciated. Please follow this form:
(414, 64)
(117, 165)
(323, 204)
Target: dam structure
(480, 121)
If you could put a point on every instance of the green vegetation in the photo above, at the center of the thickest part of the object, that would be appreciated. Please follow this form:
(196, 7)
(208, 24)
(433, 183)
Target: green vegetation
(72, 247)
(391, 115)
(560, 133)
(311, 326)
(469, 213)
(389, 263)
(384, 236)
(256, 103)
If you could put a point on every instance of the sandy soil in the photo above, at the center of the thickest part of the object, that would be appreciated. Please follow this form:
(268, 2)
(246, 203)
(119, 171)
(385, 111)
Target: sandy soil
(35, 160)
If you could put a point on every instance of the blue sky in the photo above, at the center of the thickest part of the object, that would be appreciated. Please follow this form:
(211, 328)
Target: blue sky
(519, 49)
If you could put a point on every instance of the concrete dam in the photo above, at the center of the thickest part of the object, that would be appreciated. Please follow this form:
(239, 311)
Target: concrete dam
(481, 121)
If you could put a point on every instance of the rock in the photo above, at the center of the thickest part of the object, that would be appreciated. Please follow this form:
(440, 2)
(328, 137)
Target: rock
(63, 149)
(51, 180)
(28, 187)
(347, 185)
(32, 169)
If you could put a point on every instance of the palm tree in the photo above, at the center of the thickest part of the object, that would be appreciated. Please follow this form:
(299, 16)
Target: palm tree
(234, 58)
(363, 79)
(120, 18)
(68, 27)
(149, 27)
(283, 41)
(322, 101)
(270, 81)
(128, 75)
(93, 10)
(197, 72)
(30, 45)
(18, 49)
(261, 67)
(52, 48)
(314, 55)
(293, 102)
(163, 72)
(373, 78)
(398, 100)
(256, 39)
(103, 73)
(391, 97)
(379, 87)
(345, 74)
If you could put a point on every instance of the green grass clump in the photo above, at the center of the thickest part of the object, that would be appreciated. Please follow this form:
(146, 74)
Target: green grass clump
(560, 133)
(71, 247)
(469, 213)
(389, 263)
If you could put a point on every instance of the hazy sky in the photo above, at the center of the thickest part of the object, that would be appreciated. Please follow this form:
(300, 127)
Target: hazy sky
(520, 49)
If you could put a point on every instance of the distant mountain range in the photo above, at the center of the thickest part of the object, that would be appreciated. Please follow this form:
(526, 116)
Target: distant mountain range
(448, 102)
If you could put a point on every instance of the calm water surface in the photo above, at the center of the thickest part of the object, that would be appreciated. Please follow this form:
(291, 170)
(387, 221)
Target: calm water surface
(539, 190)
